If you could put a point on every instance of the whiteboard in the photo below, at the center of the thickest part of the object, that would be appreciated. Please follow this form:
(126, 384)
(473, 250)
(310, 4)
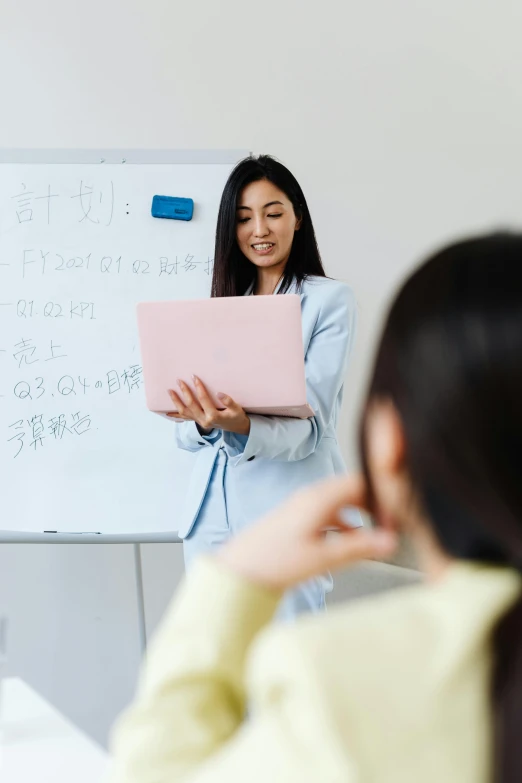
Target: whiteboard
(79, 451)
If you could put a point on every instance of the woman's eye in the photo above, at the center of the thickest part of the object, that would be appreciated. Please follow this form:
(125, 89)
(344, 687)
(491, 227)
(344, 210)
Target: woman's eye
(243, 220)
(276, 215)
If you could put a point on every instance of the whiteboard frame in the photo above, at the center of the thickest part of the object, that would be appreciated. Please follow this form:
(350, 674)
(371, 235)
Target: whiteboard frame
(110, 156)
(15, 537)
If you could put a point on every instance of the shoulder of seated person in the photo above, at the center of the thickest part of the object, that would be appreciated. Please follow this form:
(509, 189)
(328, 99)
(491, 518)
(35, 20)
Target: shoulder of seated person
(349, 634)
(408, 625)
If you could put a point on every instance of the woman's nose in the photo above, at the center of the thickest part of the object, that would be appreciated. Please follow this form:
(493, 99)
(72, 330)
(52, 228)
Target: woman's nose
(261, 229)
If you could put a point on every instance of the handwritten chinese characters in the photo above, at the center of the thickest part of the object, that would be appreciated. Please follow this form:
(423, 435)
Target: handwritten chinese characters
(33, 431)
(94, 204)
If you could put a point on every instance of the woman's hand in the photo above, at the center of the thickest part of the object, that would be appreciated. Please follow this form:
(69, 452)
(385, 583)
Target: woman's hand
(290, 545)
(202, 410)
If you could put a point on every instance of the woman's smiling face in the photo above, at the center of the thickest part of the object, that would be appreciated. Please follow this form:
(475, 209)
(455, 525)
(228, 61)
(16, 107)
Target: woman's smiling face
(266, 224)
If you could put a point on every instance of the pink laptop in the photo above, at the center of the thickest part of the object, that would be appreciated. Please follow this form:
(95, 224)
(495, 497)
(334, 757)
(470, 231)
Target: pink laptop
(250, 347)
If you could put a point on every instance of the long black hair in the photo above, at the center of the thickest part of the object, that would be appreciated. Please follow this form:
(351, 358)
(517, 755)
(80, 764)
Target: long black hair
(450, 360)
(233, 272)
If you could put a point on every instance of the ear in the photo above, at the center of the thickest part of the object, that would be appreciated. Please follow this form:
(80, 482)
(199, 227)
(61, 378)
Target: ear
(386, 455)
(386, 440)
(298, 220)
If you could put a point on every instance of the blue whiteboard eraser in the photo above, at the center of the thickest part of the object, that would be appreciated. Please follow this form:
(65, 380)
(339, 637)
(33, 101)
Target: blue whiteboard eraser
(172, 208)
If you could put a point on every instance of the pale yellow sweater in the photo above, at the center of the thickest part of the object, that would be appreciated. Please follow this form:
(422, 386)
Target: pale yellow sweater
(392, 689)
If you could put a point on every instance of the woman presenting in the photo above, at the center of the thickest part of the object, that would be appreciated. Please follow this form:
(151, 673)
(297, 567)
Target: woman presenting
(245, 465)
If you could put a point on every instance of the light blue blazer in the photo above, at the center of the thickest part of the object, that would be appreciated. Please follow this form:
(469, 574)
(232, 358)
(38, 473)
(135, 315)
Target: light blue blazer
(281, 455)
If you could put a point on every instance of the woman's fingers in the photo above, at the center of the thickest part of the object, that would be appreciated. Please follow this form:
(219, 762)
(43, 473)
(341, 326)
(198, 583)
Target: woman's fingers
(209, 409)
(323, 502)
(180, 406)
(229, 403)
(191, 405)
(185, 393)
(200, 407)
(340, 549)
(295, 532)
(182, 412)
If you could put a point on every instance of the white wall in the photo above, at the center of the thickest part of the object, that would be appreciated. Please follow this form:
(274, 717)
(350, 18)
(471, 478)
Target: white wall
(402, 120)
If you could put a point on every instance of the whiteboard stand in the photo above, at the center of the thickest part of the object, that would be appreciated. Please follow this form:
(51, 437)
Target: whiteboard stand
(13, 537)
(140, 598)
